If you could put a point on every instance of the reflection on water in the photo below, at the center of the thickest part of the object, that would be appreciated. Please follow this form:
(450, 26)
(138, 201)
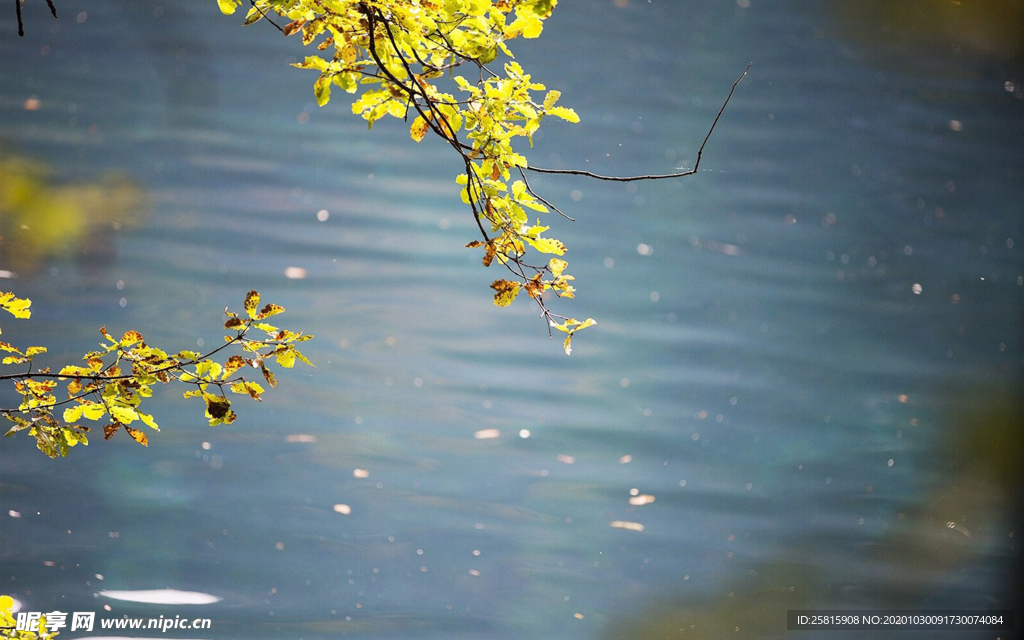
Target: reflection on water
(792, 398)
(42, 218)
(972, 511)
(988, 27)
(161, 596)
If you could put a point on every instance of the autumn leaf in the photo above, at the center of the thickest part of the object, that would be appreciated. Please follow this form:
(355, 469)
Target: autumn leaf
(506, 292)
(252, 300)
(233, 364)
(419, 128)
(293, 27)
(269, 310)
(137, 435)
(218, 407)
(129, 338)
(269, 376)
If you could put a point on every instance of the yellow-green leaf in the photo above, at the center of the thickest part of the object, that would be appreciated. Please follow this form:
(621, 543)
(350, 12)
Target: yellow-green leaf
(419, 128)
(124, 415)
(149, 421)
(72, 414)
(252, 300)
(93, 410)
(564, 113)
(322, 89)
(233, 364)
(506, 292)
(547, 245)
(17, 307)
(269, 310)
(286, 358)
(251, 388)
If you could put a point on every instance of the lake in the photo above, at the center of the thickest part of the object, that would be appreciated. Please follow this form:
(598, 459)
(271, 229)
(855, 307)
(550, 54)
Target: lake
(802, 392)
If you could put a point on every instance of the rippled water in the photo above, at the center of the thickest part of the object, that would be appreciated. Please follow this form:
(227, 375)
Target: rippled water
(809, 354)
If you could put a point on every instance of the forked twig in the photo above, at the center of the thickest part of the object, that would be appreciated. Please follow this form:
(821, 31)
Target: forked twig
(661, 176)
(21, 25)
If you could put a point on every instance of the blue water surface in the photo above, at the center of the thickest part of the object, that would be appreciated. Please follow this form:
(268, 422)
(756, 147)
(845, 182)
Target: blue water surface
(808, 354)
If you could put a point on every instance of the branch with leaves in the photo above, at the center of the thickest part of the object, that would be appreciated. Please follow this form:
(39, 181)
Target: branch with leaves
(119, 375)
(396, 53)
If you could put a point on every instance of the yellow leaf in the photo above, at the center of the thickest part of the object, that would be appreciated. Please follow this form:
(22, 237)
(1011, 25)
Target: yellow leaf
(149, 421)
(71, 414)
(252, 300)
(419, 128)
(589, 322)
(17, 307)
(269, 310)
(138, 436)
(233, 364)
(547, 245)
(254, 390)
(322, 89)
(563, 113)
(124, 415)
(557, 266)
(506, 292)
(286, 358)
(93, 410)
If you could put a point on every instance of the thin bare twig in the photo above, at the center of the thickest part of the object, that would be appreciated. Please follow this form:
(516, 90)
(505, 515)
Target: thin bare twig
(263, 13)
(534, 194)
(21, 25)
(662, 176)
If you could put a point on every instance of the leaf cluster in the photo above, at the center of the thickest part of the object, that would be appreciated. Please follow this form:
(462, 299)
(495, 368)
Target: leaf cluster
(400, 58)
(7, 624)
(120, 375)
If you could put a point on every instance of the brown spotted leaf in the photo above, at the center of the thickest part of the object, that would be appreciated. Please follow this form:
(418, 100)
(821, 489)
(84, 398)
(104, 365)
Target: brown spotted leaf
(138, 436)
(269, 310)
(293, 27)
(506, 292)
(419, 128)
(535, 287)
(110, 429)
(489, 253)
(218, 407)
(233, 364)
(269, 375)
(252, 300)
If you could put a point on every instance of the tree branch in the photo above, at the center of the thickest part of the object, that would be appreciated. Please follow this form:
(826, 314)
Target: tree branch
(21, 25)
(661, 176)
